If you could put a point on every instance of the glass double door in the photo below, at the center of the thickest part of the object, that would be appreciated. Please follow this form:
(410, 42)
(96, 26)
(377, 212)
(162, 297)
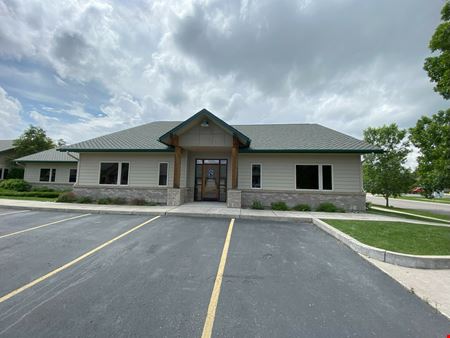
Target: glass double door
(211, 180)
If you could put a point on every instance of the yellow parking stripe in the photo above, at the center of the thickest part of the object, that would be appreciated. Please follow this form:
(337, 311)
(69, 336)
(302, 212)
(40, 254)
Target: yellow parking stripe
(42, 226)
(76, 260)
(210, 316)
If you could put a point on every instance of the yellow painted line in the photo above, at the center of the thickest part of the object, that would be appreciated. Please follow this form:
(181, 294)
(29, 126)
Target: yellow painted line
(75, 261)
(210, 316)
(42, 226)
(13, 212)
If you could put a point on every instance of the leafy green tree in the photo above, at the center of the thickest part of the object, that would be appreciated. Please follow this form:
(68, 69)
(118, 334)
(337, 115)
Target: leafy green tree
(432, 136)
(385, 173)
(34, 139)
(438, 67)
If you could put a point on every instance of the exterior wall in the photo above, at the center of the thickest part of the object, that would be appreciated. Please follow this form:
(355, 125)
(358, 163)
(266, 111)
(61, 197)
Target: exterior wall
(212, 136)
(143, 171)
(156, 195)
(33, 170)
(278, 170)
(353, 201)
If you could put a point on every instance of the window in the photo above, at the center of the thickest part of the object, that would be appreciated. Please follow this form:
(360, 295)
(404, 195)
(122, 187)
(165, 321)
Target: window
(327, 181)
(53, 177)
(314, 177)
(307, 177)
(109, 172)
(124, 173)
(163, 173)
(72, 175)
(256, 175)
(44, 175)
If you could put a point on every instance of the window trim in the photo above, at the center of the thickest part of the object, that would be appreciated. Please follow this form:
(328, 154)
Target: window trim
(320, 165)
(159, 174)
(76, 175)
(260, 176)
(119, 174)
(49, 174)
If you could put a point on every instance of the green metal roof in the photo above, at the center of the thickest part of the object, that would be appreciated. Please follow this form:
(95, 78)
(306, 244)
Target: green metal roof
(6, 145)
(51, 155)
(269, 138)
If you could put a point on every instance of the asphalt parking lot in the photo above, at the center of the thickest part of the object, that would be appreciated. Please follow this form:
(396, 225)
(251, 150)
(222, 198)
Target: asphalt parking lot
(82, 275)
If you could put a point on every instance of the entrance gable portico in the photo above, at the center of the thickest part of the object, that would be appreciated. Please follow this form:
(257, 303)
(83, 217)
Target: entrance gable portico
(204, 132)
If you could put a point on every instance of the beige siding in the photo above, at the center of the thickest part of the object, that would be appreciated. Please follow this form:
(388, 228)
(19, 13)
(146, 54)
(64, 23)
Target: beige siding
(33, 170)
(278, 170)
(212, 136)
(143, 172)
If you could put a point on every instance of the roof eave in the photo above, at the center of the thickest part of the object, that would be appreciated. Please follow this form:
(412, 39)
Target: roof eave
(111, 150)
(322, 151)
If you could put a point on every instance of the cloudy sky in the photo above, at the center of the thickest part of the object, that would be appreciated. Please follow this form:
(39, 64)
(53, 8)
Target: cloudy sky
(81, 69)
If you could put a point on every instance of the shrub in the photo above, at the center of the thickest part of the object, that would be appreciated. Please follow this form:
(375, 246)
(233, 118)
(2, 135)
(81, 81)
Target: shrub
(257, 205)
(84, 199)
(15, 184)
(368, 205)
(138, 201)
(118, 200)
(15, 173)
(47, 194)
(279, 206)
(105, 200)
(329, 207)
(302, 207)
(67, 197)
(42, 189)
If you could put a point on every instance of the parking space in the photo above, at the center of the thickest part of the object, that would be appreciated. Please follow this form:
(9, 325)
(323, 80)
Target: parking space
(280, 280)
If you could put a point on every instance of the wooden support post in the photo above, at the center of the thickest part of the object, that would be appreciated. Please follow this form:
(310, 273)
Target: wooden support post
(234, 163)
(177, 162)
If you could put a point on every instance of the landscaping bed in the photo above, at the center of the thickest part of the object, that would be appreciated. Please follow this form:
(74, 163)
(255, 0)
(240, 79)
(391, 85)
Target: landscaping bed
(409, 238)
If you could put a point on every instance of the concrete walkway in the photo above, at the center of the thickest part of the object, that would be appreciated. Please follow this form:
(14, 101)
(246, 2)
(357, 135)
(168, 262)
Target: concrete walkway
(433, 286)
(201, 209)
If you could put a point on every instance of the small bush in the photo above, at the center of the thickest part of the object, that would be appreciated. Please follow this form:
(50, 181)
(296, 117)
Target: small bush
(15, 184)
(67, 197)
(138, 201)
(15, 173)
(329, 207)
(105, 200)
(84, 200)
(302, 207)
(279, 206)
(368, 205)
(42, 189)
(257, 205)
(118, 200)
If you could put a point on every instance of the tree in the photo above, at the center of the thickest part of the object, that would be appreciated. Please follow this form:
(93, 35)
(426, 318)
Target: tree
(33, 140)
(438, 67)
(385, 173)
(61, 142)
(432, 136)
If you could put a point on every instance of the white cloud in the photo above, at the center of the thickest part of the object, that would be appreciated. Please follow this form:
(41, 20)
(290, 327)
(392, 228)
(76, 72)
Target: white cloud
(10, 119)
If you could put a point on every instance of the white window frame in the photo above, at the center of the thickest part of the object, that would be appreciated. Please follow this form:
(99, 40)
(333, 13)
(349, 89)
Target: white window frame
(320, 165)
(167, 175)
(119, 173)
(260, 176)
(49, 175)
(76, 175)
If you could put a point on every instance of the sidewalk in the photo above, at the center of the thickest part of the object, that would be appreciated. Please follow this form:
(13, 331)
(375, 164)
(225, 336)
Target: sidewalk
(201, 209)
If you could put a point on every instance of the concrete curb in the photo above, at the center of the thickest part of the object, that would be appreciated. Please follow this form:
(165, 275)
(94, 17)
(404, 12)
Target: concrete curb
(396, 258)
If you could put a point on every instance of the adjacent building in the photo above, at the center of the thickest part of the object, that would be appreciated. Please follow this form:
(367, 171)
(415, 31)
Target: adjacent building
(6, 156)
(50, 168)
(205, 159)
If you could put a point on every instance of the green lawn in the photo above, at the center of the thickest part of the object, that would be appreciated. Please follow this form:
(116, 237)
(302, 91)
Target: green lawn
(417, 212)
(29, 198)
(444, 200)
(418, 239)
(391, 214)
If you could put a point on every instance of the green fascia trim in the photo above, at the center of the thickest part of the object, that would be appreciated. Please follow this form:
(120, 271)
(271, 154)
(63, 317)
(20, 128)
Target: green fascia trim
(46, 161)
(213, 117)
(328, 151)
(117, 150)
